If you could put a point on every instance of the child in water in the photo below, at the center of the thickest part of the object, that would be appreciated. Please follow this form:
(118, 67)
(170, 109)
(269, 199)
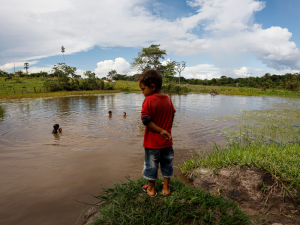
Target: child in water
(56, 129)
(109, 114)
(124, 114)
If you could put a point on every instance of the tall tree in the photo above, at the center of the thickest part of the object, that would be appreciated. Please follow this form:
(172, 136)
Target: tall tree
(62, 71)
(63, 52)
(180, 67)
(111, 74)
(168, 71)
(90, 74)
(149, 58)
(26, 66)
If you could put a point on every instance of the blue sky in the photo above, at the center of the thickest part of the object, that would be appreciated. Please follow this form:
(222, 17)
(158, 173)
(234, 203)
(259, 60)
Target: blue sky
(236, 38)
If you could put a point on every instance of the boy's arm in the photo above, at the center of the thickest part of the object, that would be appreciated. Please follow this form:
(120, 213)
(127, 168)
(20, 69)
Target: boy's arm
(152, 126)
(166, 135)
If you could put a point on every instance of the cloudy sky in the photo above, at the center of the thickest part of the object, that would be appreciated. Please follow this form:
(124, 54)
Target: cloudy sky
(236, 38)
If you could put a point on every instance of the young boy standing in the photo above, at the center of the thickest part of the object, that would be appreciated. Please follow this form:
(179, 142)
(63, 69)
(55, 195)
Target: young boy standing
(157, 115)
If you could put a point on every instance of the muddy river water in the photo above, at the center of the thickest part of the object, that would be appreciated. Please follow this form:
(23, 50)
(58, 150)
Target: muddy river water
(43, 174)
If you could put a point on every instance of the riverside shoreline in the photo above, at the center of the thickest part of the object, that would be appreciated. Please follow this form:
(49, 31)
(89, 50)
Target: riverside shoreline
(14, 90)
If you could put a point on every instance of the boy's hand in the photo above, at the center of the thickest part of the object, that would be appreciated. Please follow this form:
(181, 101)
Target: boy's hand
(166, 135)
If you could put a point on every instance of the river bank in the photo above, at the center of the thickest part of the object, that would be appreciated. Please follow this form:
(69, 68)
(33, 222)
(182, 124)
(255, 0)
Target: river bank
(34, 87)
(55, 94)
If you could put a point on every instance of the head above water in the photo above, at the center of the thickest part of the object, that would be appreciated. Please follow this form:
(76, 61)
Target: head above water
(56, 126)
(124, 113)
(150, 82)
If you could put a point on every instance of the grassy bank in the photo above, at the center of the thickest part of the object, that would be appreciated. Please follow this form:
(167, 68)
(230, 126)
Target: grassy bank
(16, 85)
(245, 91)
(266, 139)
(127, 204)
(29, 85)
(55, 94)
(127, 85)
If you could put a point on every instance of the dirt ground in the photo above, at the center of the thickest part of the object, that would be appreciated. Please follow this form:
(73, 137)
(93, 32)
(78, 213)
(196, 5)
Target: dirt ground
(244, 185)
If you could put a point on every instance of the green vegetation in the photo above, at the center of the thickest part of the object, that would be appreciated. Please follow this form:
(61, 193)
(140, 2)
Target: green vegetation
(269, 140)
(127, 85)
(21, 85)
(245, 91)
(55, 94)
(127, 204)
(1, 111)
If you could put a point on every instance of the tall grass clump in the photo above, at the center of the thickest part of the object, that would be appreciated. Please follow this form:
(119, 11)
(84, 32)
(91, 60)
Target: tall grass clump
(125, 203)
(170, 88)
(268, 139)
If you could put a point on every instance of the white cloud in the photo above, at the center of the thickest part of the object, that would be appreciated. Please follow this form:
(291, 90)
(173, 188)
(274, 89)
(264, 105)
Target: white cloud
(120, 65)
(11, 65)
(201, 71)
(39, 69)
(242, 72)
(208, 71)
(36, 28)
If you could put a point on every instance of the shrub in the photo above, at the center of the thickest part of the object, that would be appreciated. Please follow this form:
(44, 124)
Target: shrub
(292, 85)
(175, 89)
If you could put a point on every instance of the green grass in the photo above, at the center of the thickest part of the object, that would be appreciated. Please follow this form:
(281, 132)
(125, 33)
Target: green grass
(127, 85)
(245, 91)
(16, 85)
(24, 85)
(125, 203)
(55, 94)
(267, 139)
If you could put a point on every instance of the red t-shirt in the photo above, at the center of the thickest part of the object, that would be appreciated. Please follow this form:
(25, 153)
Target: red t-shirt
(160, 109)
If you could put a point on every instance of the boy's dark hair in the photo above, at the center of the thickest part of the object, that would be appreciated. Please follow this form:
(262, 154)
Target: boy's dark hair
(56, 126)
(151, 77)
(109, 112)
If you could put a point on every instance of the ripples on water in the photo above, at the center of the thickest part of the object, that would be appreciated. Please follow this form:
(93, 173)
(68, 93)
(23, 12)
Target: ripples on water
(44, 173)
(84, 118)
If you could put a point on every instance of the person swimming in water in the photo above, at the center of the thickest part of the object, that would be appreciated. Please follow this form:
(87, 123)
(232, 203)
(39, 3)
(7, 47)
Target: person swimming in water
(56, 129)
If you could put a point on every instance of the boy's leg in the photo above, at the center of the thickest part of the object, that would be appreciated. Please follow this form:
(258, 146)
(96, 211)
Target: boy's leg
(151, 168)
(151, 188)
(166, 186)
(166, 162)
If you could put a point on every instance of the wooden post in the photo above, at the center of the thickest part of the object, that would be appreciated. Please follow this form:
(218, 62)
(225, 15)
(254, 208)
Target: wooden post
(14, 91)
(7, 90)
(34, 89)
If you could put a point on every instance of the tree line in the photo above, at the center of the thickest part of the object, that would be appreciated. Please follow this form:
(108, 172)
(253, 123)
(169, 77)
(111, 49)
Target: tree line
(152, 58)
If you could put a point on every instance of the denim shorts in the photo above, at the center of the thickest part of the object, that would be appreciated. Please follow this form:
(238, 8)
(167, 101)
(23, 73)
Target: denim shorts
(153, 157)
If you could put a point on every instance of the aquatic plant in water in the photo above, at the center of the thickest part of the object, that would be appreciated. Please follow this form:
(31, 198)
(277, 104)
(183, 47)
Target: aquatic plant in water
(280, 124)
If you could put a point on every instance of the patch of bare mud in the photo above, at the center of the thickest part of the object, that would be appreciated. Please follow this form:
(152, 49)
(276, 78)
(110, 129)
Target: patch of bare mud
(245, 186)
(91, 215)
